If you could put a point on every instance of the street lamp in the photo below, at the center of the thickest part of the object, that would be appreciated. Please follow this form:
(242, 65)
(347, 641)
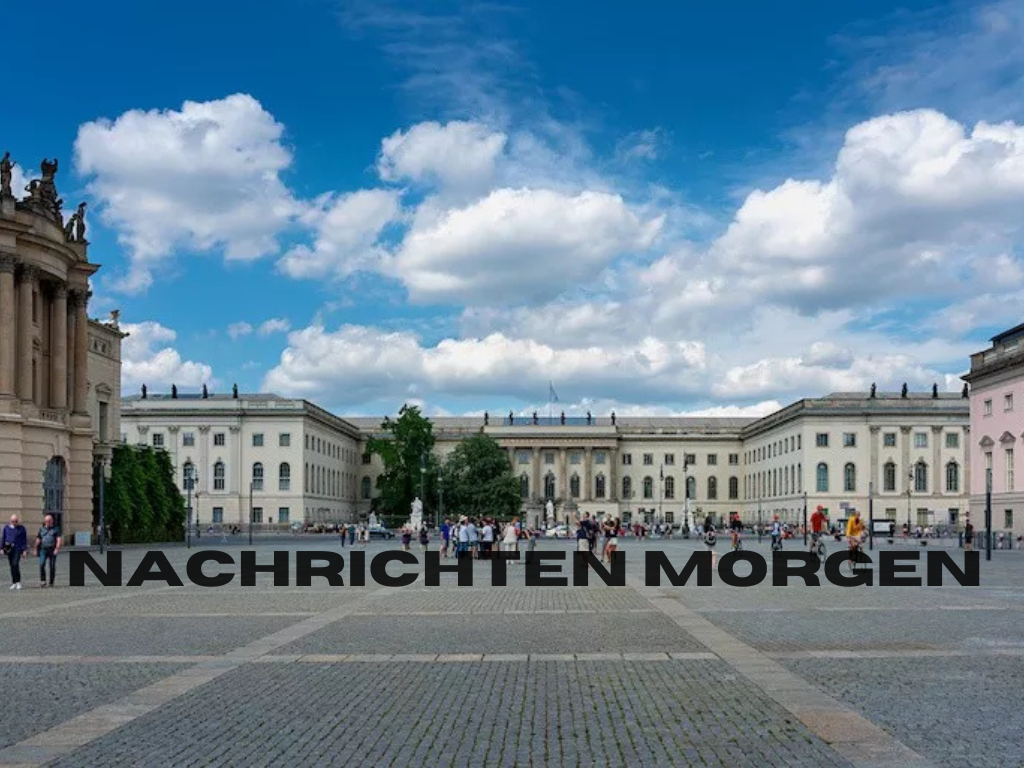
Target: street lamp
(423, 474)
(190, 479)
(910, 484)
(440, 502)
(988, 513)
(686, 494)
(100, 463)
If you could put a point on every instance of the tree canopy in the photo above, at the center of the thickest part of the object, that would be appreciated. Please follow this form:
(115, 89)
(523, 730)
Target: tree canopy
(405, 450)
(478, 480)
(143, 502)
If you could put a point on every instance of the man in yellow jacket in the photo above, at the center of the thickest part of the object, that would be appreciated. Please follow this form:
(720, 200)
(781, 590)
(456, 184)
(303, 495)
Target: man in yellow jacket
(854, 530)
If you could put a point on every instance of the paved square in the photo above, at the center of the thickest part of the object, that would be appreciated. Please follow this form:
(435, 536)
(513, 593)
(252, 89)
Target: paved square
(514, 676)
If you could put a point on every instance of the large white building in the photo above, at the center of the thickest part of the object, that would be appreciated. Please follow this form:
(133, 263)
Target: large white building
(909, 453)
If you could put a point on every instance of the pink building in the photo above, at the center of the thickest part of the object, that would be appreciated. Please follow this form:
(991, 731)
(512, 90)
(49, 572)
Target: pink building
(997, 431)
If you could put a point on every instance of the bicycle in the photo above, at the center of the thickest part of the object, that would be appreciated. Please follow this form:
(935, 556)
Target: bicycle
(856, 557)
(776, 543)
(737, 542)
(818, 546)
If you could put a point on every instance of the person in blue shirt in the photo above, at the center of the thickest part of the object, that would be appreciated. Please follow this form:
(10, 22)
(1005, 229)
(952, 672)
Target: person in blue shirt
(14, 543)
(446, 537)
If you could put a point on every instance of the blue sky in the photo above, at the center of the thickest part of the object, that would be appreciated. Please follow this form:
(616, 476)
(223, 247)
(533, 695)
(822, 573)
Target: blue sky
(659, 207)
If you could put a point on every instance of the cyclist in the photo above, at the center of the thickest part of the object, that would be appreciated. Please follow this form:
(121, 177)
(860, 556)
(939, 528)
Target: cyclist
(819, 523)
(776, 533)
(854, 534)
(735, 529)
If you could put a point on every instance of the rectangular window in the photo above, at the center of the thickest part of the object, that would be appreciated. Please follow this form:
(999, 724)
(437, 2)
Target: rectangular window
(734, 459)
(549, 457)
(670, 459)
(648, 459)
(799, 441)
(690, 459)
(284, 440)
(627, 459)
(1009, 470)
(218, 515)
(889, 440)
(283, 515)
(158, 440)
(104, 417)
(821, 440)
(920, 439)
(307, 442)
(523, 457)
(257, 514)
(257, 440)
(188, 439)
(849, 439)
(712, 459)
(218, 438)
(1008, 402)
(988, 407)
(367, 458)
(575, 457)
(599, 457)
(952, 440)
(1008, 519)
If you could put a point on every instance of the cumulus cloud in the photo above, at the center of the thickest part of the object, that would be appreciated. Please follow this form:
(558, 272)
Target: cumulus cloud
(518, 245)
(347, 232)
(237, 330)
(458, 154)
(274, 325)
(205, 177)
(147, 357)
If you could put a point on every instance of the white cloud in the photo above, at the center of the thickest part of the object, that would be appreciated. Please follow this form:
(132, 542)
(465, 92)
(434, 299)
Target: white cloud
(518, 245)
(347, 231)
(274, 325)
(641, 145)
(237, 330)
(457, 154)
(147, 357)
(204, 177)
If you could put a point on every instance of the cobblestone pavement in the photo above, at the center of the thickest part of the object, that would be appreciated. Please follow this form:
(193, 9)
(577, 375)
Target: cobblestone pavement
(513, 676)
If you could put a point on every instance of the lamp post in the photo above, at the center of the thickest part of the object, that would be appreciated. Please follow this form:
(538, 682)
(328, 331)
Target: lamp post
(910, 485)
(440, 502)
(661, 492)
(760, 530)
(686, 494)
(423, 474)
(102, 483)
(871, 516)
(190, 476)
(988, 513)
(805, 518)
(251, 513)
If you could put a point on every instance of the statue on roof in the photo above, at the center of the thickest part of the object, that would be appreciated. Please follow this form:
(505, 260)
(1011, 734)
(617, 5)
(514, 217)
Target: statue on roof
(903, 392)
(234, 391)
(206, 392)
(613, 418)
(511, 418)
(874, 390)
(935, 391)
(143, 391)
(589, 418)
(965, 392)
(79, 218)
(563, 418)
(535, 421)
(174, 391)
(487, 418)
(6, 171)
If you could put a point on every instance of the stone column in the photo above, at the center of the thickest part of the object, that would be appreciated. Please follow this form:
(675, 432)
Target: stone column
(26, 332)
(59, 348)
(939, 472)
(537, 491)
(81, 352)
(588, 474)
(563, 475)
(873, 458)
(613, 475)
(7, 315)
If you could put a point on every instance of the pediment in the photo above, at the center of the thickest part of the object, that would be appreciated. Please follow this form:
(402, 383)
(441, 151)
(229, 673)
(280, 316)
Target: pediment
(1007, 438)
(986, 442)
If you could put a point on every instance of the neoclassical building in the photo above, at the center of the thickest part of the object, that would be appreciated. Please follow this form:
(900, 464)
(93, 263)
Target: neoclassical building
(907, 452)
(997, 423)
(56, 387)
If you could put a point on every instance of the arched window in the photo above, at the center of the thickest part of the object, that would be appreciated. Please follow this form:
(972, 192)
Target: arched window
(599, 486)
(574, 486)
(284, 476)
(889, 477)
(734, 488)
(218, 476)
(627, 487)
(952, 477)
(187, 475)
(366, 489)
(850, 478)
(712, 487)
(549, 486)
(53, 489)
(307, 487)
(921, 477)
(648, 488)
(257, 476)
(822, 477)
(691, 487)
(524, 486)
(670, 487)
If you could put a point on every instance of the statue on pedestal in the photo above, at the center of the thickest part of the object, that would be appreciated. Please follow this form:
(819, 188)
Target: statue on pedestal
(6, 171)
(416, 516)
(549, 511)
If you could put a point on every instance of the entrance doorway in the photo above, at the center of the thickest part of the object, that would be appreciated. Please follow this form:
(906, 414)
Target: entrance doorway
(53, 490)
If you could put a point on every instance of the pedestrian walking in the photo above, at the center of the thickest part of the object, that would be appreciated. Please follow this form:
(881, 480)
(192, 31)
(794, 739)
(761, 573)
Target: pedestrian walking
(968, 535)
(446, 537)
(406, 539)
(424, 538)
(510, 539)
(46, 549)
(351, 534)
(14, 543)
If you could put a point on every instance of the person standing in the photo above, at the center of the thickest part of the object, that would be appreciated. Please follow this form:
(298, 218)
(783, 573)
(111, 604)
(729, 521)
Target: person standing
(474, 537)
(424, 538)
(446, 537)
(351, 534)
(14, 542)
(46, 549)
(510, 540)
(463, 539)
(486, 539)
(968, 535)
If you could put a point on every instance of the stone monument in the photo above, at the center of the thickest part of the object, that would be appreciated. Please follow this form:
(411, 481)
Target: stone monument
(416, 516)
(549, 511)
(373, 522)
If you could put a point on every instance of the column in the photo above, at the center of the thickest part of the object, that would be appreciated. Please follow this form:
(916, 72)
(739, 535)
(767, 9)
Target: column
(81, 352)
(7, 315)
(965, 479)
(873, 476)
(59, 348)
(537, 491)
(588, 474)
(25, 332)
(613, 475)
(938, 471)
(563, 475)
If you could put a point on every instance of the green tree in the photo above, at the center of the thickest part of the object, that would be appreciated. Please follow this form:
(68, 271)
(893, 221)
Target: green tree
(143, 503)
(478, 480)
(406, 448)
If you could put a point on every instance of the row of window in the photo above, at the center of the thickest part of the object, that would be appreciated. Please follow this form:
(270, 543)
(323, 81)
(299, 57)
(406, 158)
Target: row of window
(1009, 481)
(781, 481)
(823, 439)
(318, 480)
(784, 481)
(1007, 404)
(778, 448)
(601, 457)
(668, 488)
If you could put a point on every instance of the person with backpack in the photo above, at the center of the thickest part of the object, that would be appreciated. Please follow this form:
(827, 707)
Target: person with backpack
(46, 549)
(14, 542)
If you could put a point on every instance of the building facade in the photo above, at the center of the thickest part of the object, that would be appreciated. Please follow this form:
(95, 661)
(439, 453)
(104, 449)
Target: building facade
(47, 384)
(996, 383)
(278, 460)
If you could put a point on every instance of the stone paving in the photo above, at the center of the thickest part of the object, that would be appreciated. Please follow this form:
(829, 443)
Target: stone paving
(513, 676)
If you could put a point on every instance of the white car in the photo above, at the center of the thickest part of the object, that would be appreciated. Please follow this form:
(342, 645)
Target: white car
(558, 532)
